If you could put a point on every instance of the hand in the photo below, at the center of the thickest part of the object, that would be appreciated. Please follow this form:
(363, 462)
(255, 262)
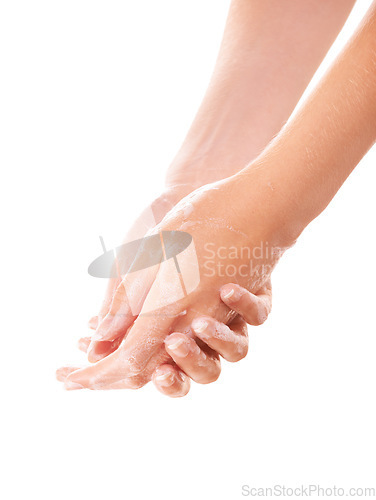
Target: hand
(146, 221)
(222, 216)
(182, 179)
(197, 357)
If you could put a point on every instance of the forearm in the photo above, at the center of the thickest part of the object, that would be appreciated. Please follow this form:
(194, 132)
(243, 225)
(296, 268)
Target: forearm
(306, 164)
(269, 53)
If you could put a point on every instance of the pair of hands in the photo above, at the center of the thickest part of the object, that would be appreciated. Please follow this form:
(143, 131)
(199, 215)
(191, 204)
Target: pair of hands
(184, 339)
(197, 356)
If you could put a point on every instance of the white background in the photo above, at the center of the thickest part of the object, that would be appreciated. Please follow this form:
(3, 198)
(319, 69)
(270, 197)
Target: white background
(95, 100)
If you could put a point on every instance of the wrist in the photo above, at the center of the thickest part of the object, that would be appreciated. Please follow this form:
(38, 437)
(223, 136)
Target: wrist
(216, 148)
(190, 171)
(267, 205)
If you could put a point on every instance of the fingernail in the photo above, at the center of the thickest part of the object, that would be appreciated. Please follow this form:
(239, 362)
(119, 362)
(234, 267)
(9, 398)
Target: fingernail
(102, 329)
(90, 348)
(97, 337)
(229, 294)
(93, 322)
(82, 345)
(93, 356)
(199, 325)
(72, 386)
(178, 347)
(165, 379)
(133, 367)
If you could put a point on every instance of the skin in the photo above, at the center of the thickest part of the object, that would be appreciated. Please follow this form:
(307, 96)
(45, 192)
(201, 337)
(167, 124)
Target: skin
(197, 357)
(137, 356)
(251, 94)
(269, 53)
(271, 201)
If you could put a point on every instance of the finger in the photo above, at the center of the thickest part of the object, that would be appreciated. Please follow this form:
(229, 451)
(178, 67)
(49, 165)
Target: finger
(127, 302)
(63, 372)
(170, 381)
(253, 308)
(102, 377)
(112, 285)
(144, 341)
(113, 326)
(96, 351)
(86, 377)
(144, 222)
(70, 385)
(134, 287)
(118, 318)
(93, 323)
(135, 382)
(230, 341)
(202, 367)
(113, 369)
(99, 350)
(83, 343)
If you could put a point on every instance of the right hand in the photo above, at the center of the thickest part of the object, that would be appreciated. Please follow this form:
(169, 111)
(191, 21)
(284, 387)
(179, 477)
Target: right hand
(198, 357)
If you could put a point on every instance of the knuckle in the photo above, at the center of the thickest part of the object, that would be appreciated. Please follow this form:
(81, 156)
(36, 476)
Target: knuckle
(258, 320)
(136, 382)
(179, 392)
(238, 354)
(208, 376)
(208, 330)
(245, 303)
(262, 316)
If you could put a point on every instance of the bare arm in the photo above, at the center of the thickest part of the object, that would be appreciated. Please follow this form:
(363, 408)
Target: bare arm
(317, 150)
(269, 53)
(269, 202)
